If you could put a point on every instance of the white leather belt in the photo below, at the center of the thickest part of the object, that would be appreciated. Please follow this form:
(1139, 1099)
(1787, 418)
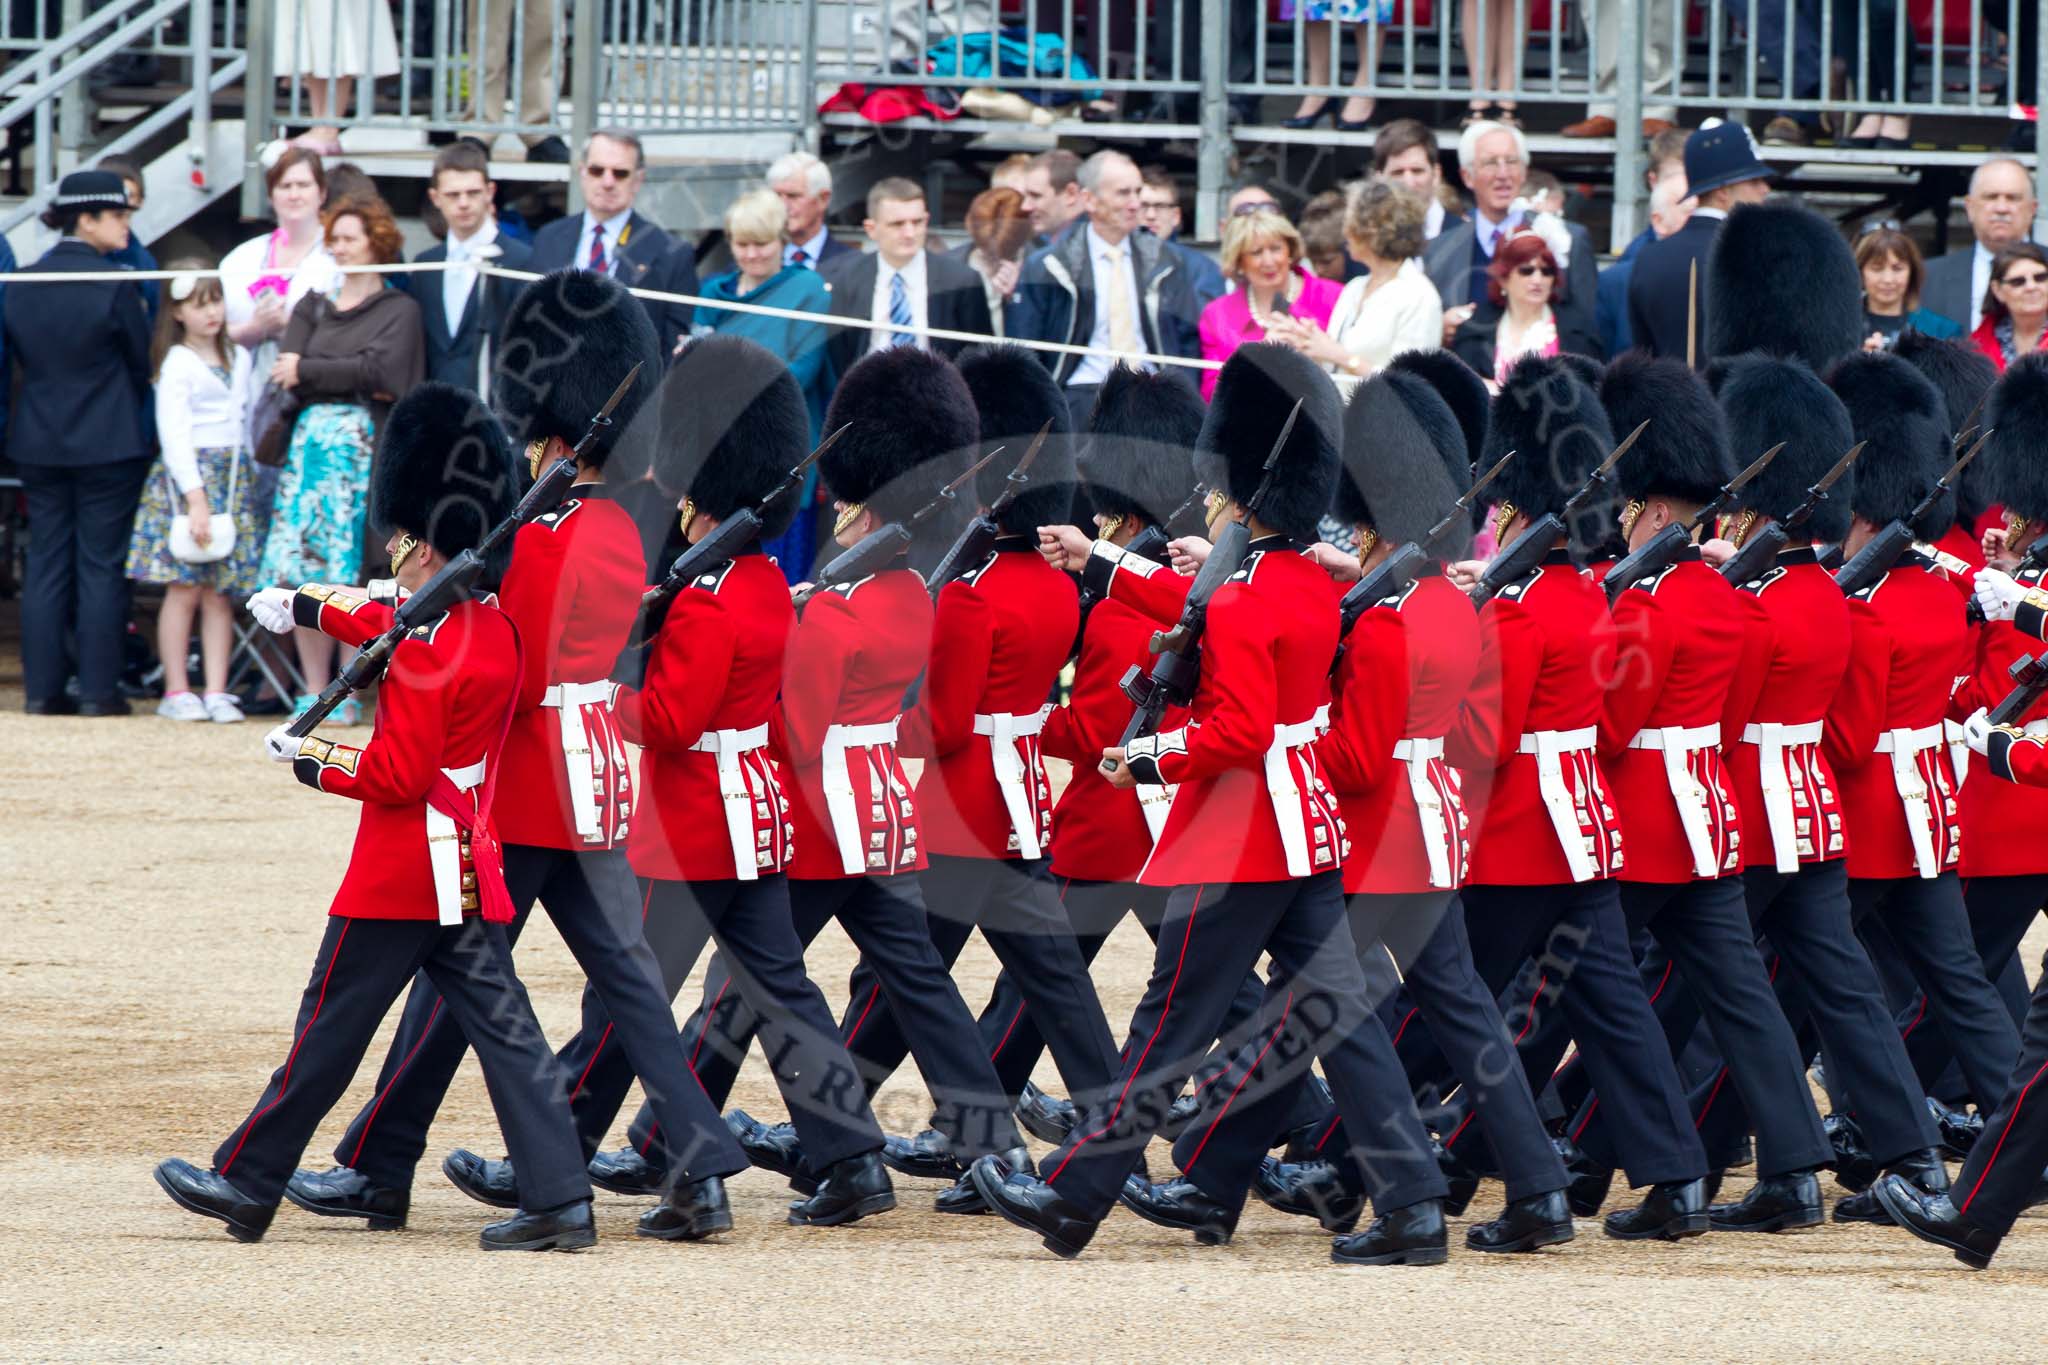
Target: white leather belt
(731, 746)
(570, 699)
(1004, 729)
(1155, 800)
(1905, 747)
(1679, 743)
(1417, 753)
(1286, 792)
(1958, 745)
(444, 848)
(839, 785)
(1549, 748)
(1772, 740)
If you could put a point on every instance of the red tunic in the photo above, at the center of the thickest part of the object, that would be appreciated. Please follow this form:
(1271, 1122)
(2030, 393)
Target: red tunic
(1407, 665)
(1909, 642)
(855, 653)
(1271, 633)
(2003, 823)
(441, 705)
(1806, 623)
(1099, 831)
(573, 590)
(1546, 654)
(716, 666)
(1680, 638)
(1000, 637)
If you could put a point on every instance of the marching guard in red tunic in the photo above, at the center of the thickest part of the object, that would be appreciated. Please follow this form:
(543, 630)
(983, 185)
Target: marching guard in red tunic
(573, 590)
(859, 839)
(1253, 844)
(425, 891)
(1403, 673)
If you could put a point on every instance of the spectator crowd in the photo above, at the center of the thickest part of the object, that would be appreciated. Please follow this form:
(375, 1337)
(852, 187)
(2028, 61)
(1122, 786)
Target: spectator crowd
(219, 433)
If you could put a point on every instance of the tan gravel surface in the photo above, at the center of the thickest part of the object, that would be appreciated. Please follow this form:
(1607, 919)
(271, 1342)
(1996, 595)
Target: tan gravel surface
(164, 892)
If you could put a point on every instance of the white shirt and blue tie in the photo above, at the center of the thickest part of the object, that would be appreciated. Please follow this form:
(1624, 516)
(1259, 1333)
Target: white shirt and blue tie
(899, 303)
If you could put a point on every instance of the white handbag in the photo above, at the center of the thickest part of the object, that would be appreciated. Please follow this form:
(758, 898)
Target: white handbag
(220, 541)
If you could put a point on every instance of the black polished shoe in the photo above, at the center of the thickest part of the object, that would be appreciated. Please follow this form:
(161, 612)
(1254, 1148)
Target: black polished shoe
(210, 1196)
(1180, 1203)
(563, 1229)
(1589, 1183)
(1673, 1210)
(1033, 1204)
(59, 705)
(1774, 1204)
(1311, 1189)
(1924, 1171)
(104, 706)
(1328, 108)
(1411, 1236)
(627, 1172)
(689, 1213)
(1462, 1179)
(1182, 1112)
(487, 1182)
(1959, 1128)
(345, 1192)
(1046, 1117)
(1855, 1168)
(1932, 1218)
(1539, 1220)
(962, 1198)
(928, 1156)
(772, 1147)
(852, 1188)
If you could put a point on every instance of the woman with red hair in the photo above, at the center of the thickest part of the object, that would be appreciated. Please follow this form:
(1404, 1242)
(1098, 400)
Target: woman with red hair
(1525, 279)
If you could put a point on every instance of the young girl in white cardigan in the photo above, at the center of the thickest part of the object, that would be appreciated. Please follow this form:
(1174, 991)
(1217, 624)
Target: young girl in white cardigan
(202, 398)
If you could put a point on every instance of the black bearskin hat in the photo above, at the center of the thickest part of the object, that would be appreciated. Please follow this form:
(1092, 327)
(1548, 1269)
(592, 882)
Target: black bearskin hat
(569, 338)
(1964, 375)
(911, 420)
(444, 472)
(733, 424)
(2017, 418)
(1767, 400)
(1684, 453)
(1258, 387)
(1900, 413)
(1141, 439)
(1560, 434)
(1780, 278)
(1458, 384)
(1404, 462)
(1014, 396)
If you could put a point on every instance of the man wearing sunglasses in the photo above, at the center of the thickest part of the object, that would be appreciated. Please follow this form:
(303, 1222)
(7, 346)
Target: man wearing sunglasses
(1722, 169)
(612, 238)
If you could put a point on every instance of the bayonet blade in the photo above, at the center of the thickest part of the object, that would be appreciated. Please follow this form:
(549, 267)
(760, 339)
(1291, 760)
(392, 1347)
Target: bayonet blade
(619, 394)
(1742, 479)
(1607, 465)
(1472, 493)
(1956, 469)
(1834, 475)
(821, 448)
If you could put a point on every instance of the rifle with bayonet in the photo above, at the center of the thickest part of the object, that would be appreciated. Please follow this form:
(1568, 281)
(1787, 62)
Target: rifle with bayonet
(1885, 549)
(875, 549)
(1661, 551)
(1178, 665)
(455, 581)
(1518, 560)
(1760, 548)
(971, 546)
(1402, 567)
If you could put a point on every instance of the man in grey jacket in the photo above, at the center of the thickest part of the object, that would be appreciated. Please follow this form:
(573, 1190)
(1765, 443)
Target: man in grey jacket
(2000, 205)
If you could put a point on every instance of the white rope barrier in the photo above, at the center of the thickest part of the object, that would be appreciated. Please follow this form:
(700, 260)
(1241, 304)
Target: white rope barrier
(658, 295)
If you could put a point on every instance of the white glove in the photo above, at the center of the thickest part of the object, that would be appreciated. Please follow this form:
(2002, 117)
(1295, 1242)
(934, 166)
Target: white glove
(272, 608)
(1997, 594)
(280, 745)
(1977, 732)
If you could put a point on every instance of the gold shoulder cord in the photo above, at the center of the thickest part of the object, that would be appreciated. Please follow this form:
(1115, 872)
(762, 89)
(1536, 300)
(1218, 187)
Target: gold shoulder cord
(1740, 531)
(535, 450)
(1502, 515)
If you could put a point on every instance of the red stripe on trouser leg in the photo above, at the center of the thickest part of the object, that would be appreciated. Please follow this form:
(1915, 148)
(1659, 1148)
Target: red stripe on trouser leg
(602, 1039)
(2015, 1118)
(1327, 1131)
(1712, 1095)
(1529, 1016)
(1452, 1140)
(1138, 1067)
(874, 994)
(297, 1043)
(705, 1027)
(1590, 1110)
(425, 1033)
(1406, 1020)
(1662, 981)
(1278, 1028)
(1907, 1032)
(1007, 1032)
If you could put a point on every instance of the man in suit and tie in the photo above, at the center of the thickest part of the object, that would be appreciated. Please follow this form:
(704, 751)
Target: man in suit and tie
(612, 238)
(901, 283)
(2001, 210)
(804, 184)
(1493, 161)
(1722, 170)
(461, 311)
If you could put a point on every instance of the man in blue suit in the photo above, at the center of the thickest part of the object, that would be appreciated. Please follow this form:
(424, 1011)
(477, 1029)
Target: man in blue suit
(462, 311)
(1722, 170)
(613, 238)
